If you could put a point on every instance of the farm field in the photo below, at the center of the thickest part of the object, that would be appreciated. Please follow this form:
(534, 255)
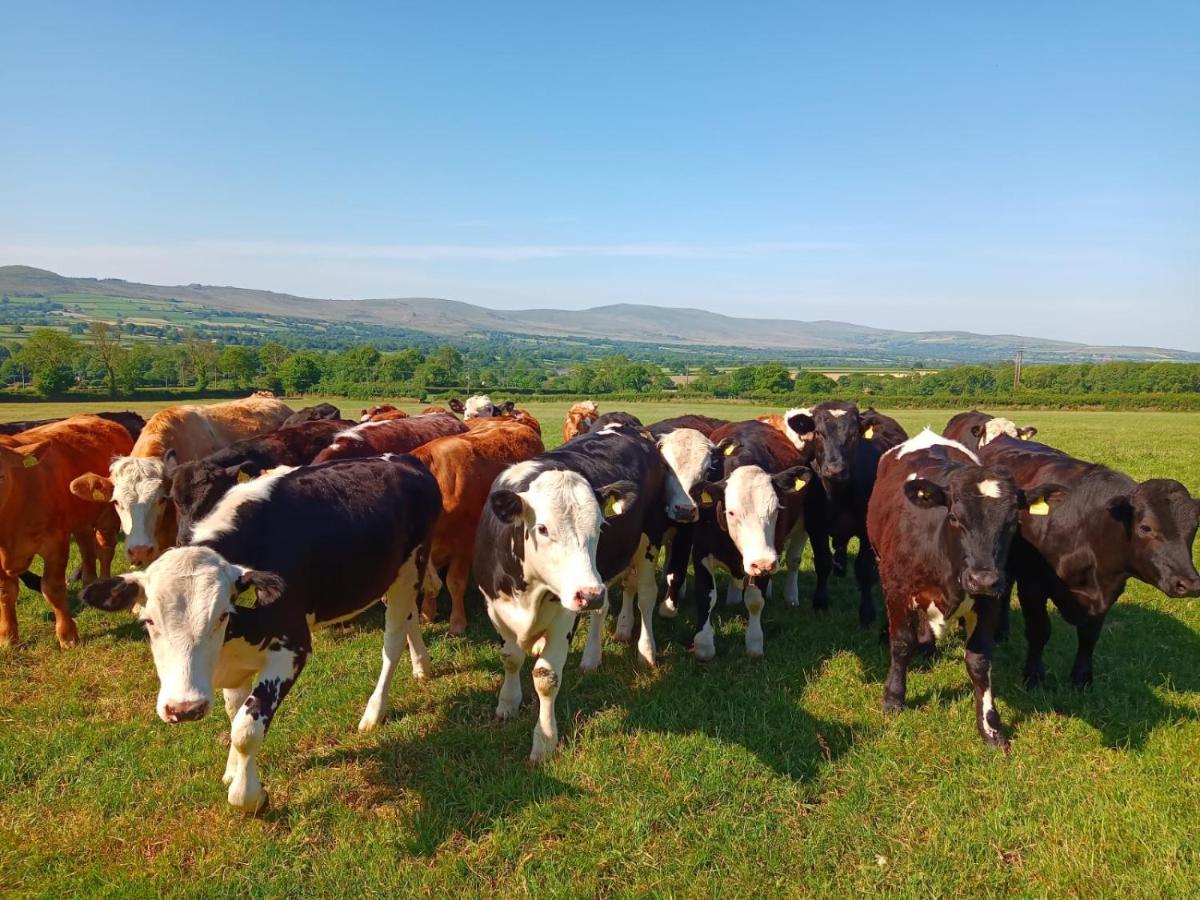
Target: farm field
(738, 777)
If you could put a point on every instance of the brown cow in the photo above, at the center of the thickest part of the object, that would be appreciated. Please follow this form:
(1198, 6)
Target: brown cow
(382, 411)
(38, 514)
(580, 418)
(389, 436)
(509, 413)
(465, 466)
(139, 482)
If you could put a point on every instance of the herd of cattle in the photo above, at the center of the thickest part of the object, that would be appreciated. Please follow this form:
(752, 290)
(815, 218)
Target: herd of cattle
(324, 517)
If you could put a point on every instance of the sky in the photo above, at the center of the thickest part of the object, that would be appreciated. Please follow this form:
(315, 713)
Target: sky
(1027, 168)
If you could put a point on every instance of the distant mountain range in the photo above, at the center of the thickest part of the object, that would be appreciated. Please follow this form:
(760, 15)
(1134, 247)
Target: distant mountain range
(631, 323)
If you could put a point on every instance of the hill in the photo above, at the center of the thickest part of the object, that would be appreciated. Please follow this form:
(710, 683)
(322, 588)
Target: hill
(627, 323)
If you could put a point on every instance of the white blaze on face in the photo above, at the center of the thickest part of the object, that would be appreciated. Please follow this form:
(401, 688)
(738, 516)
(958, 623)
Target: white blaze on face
(139, 492)
(751, 509)
(477, 406)
(989, 487)
(996, 427)
(188, 598)
(686, 453)
(562, 519)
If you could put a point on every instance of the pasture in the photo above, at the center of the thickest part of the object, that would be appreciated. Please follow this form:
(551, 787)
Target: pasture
(736, 777)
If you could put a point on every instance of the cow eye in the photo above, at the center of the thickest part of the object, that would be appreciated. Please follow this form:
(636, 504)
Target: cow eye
(952, 519)
(543, 531)
(224, 617)
(147, 624)
(1145, 529)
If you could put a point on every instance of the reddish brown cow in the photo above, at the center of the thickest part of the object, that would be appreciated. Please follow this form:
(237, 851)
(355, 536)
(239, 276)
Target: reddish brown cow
(389, 436)
(512, 414)
(465, 466)
(39, 515)
(382, 411)
(580, 418)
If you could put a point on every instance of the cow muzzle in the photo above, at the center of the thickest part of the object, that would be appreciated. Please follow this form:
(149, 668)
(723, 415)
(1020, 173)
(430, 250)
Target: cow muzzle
(683, 514)
(187, 711)
(140, 554)
(588, 599)
(1184, 586)
(764, 566)
(982, 582)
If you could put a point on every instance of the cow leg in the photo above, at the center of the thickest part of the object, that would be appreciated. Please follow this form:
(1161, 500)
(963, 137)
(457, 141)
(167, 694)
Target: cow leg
(647, 597)
(625, 618)
(457, 578)
(547, 678)
(754, 606)
(902, 632)
(795, 550)
(840, 557)
(864, 574)
(54, 589)
(250, 724)
(594, 645)
(85, 540)
(705, 590)
(404, 593)
(107, 530)
(1037, 634)
(234, 698)
(431, 589)
(9, 589)
(399, 624)
(677, 559)
(980, 643)
(1088, 629)
(733, 593)
(514, 658)
(822, 566)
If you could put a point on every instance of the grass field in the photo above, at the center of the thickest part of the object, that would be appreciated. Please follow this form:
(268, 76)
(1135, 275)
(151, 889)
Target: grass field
(740, 777)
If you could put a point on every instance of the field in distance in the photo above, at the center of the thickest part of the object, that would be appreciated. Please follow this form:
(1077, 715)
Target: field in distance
(776, 776)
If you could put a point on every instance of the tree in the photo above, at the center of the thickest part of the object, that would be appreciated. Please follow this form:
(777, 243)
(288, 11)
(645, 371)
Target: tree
(273, 354)
(299, 373)
(49, 355)
(772, 377)
(106, 346)
(239, 363)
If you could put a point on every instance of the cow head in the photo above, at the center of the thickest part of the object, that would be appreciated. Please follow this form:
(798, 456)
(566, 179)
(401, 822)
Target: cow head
(561, 515)
(479, 405)
(1159, 518)
(14, 463)
(197, 486)
(833, 429)
(998, 425)
(980, 509)
(746, 505)
(371, 411)
(139, 488)
(687, 453)
(186, 599)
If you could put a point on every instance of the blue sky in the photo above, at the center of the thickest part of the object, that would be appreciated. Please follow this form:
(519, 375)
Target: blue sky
(1027, 168)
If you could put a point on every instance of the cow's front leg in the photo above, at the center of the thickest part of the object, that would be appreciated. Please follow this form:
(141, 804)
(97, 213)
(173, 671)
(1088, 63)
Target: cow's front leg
(625, 618)
(249, 726)
(980, 642)
(754, 606)
(647, 597)
(677, 561)
(1088, 629)
(513, 658)
(734, 591)
(400, 625)
(234, 698)
(703, 643)
(1037, 633)
(54, 589)
(593, 647)
(902, 630)
(547, 678)
(9, 589)
(795, 550)
(864, 574)
(822, 566)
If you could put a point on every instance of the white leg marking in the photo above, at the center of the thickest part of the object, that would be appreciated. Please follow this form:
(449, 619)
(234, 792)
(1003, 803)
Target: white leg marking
(246, 733)
(510, 692)
(625, 618)
(733, 595)
(795, 550)
(704, 646)
(400, 623)
(593, 648)
(754, 634)
(667, 609)
(547, 678)
(647, 596)
(234, 698)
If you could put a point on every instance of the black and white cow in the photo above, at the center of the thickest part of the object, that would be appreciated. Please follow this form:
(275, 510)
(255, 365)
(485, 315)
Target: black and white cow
(747, 519)
(319, 544)
(556, 532)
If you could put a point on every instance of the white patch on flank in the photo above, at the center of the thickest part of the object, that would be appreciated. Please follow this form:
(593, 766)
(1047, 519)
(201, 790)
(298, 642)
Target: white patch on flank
(611, 428)
(355, 432)
(993, 428)
(224, 514)
(929, 438)
(989, 488)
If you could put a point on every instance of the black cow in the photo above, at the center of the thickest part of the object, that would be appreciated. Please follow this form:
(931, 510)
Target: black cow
(312, 414)
(319, 544)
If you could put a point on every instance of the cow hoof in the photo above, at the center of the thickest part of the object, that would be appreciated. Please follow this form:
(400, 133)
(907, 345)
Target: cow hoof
(998, 742)
(371, 719)
(704, 650)
(457, 629)
(668, 610)
(1081, 682)
(1035, 678)
(754, 650)
(893, 705)
(647, 656)
(625, 636)
(505, 711)
(68, 638)
(248, 802)
(791, 598)
(866, 617)
(540, 754)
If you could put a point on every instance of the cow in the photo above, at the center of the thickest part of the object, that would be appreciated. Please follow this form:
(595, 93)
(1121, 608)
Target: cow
(382, 410)
(196, 486)
(139, 483)
(130, 421)
(510, 413)
(1110, 528)
(482, 405)
(319, 544)
(747, 517)
(556, 531)
(39, 514)
(579, 419)
(780, 423)
(312, 414)
(465, 466)
(976, 429)
(942, 524)
(389, 436)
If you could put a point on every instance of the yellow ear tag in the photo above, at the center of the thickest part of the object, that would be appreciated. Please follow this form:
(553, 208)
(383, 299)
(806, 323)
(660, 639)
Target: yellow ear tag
(800, 483)
(1041, 508)
(243, 477)
(98, 496)
(870, 432)
(610, 506)
(29, 462)
(729, 450)
(705, 497)
(1023, 437)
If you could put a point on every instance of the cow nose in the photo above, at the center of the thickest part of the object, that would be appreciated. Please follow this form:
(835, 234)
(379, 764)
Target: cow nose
(140, 554)
(981, 581)
(836, 471)
(1186, 587)
(762, 567)
(589, 598)
(186, 712)
(681, 513)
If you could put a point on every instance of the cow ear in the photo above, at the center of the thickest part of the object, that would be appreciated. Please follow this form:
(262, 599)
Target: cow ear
(1038, 501)
(707, 494)
(114, 594)
(93, 487)
(507, 408)
(30, 455)
(170, 462)
(802, 423)
(1121, 509)
(507, 506)
(793, 480)
(456, 405)
(1026, 433)
(925, 493)
(727, 447)
(977, 430)
(617, 498)
(268, 587)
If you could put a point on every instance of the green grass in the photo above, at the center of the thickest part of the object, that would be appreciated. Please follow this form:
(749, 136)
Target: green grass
(741, 777)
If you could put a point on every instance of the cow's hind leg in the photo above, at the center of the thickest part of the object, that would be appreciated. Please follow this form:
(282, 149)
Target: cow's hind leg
(1037, 633)
(626, 617)
(54, 589)
(457, 577)
(980, 642)
(85, 540)
(547, 679)
(864, 574)
(795, 550)
(106, 533)
(822, 566)
(677, 560)
(249, 726)
(9, 589)
(431, 589)
(400, 624)
(647, 597)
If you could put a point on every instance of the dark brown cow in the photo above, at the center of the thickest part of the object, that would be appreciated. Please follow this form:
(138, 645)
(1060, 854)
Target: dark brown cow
(941, 525)
(390, 436)
(130, 421)
(975, 429)
(1110, 529)
(312, 414)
